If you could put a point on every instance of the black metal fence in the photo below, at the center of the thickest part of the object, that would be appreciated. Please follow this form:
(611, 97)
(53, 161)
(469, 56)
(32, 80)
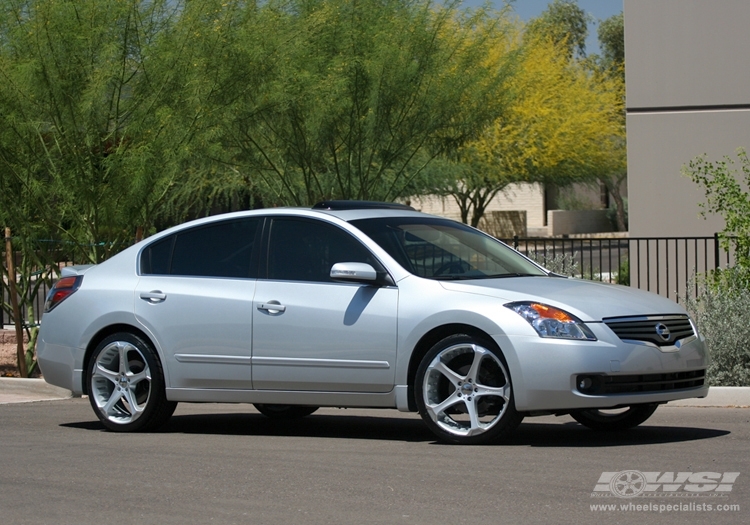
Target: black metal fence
(661, 265)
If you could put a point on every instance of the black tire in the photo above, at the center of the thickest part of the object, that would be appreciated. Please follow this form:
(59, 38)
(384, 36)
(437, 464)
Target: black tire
(604, 420)
(126, 385)
(462, 375)
(284, 411)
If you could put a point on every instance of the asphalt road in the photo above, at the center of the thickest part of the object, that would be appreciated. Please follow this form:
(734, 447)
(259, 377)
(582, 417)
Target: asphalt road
(228, 464)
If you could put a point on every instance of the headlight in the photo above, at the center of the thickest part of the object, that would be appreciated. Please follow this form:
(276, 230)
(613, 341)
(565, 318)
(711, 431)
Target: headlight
(549, 321)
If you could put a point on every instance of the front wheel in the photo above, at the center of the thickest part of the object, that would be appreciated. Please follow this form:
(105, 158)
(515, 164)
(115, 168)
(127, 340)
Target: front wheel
(284, 411)
(616, 419)
(126, 385)
(464, 392)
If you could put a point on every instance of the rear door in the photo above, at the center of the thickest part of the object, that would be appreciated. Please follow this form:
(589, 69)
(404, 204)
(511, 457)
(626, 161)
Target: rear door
(195, 297)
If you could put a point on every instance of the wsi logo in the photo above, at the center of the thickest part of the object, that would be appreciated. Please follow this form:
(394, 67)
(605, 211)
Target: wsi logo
(632, 483)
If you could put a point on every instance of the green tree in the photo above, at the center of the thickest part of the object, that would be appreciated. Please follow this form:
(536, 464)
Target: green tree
(565, 23)
(84, 141)
(611, 35)
(560, 124)
(356, 97)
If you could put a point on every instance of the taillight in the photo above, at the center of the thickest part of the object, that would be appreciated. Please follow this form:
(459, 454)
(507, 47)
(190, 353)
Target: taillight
(62, 289)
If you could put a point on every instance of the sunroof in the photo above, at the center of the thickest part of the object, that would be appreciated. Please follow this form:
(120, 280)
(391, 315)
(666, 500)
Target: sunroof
(360, 205)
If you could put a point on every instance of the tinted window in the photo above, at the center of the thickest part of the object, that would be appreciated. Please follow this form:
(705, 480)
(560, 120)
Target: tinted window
(156, 257)
(443, 249)
(305, 250)
(223, 249)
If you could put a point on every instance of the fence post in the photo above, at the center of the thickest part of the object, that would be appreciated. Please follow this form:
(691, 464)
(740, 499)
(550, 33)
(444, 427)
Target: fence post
(17, 321)
(717, 262)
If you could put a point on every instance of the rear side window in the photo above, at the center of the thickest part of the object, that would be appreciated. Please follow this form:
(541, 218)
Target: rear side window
(223, 249)
(155, 258)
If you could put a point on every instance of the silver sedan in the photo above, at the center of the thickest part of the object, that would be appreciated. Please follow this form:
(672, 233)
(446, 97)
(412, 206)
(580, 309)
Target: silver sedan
(360, 304)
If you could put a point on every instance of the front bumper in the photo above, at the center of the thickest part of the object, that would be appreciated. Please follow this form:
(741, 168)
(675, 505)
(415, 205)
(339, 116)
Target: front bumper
(546, 372)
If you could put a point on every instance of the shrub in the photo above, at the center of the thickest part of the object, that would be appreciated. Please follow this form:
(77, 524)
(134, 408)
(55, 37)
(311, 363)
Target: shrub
(563, 264)
(720, 310)
(622, 276)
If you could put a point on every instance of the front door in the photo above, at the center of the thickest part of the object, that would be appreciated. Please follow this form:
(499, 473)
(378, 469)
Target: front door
(311, 333)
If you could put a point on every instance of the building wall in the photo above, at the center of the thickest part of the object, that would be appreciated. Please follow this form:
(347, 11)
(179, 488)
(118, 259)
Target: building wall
(687, 71)
(528, 197)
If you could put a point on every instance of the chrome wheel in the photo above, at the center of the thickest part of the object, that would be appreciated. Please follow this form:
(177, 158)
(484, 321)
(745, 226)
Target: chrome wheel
(121, 382)
(466, 393)
(126, 388)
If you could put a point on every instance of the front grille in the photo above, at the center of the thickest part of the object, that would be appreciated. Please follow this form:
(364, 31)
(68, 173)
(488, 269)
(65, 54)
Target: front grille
(630, 384)
(657, 330)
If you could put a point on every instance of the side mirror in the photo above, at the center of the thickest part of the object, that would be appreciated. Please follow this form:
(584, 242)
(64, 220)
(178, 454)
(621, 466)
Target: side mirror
(354, 272)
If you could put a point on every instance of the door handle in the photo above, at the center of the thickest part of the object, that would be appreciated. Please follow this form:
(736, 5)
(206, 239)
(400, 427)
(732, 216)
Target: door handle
(272, 307)
(153, 297)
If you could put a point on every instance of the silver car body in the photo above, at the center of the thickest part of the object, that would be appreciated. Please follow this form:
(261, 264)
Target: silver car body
(351, 344)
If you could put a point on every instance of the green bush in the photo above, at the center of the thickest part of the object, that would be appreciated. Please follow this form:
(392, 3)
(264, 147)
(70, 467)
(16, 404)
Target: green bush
(623, 273)
(720, 306)
(720, 310)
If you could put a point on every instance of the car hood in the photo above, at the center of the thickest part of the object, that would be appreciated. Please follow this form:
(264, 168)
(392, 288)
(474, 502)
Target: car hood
(587, 300)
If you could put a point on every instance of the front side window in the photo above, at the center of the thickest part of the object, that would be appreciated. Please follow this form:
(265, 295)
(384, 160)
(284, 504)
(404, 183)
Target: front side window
(445, 250)
(222, 249)
(305, 250)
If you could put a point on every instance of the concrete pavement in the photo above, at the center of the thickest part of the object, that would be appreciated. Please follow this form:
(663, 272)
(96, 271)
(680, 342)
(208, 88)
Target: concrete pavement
(15, 390)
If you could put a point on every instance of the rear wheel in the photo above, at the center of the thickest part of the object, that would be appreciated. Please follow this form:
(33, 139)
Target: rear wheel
(284, 411)
(464, 392)
(615, 419)
(126, 385)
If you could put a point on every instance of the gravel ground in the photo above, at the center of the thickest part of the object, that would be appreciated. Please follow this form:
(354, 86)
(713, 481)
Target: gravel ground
(8, 366)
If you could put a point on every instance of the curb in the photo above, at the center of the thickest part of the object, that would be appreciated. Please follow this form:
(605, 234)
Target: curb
(17, 390)
(719, 396)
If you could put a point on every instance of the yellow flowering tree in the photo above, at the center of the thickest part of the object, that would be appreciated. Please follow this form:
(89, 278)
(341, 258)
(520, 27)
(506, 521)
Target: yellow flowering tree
(563, 125)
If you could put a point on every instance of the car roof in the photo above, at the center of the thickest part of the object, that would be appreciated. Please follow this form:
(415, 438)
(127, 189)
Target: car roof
(347, 213)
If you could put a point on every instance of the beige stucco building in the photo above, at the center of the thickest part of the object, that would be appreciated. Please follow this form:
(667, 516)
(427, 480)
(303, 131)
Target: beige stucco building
(522, 197)
(687, 71)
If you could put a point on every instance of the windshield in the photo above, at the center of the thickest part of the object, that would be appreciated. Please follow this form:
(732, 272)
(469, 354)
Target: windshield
(445, 250)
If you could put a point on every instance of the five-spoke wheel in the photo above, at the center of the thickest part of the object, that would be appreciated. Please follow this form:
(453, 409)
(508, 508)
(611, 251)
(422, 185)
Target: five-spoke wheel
(126, 384)
(464, 391)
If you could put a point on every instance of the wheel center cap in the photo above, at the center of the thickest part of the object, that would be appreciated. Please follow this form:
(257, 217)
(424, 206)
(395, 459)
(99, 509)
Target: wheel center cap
(123, 381)
(467, 388)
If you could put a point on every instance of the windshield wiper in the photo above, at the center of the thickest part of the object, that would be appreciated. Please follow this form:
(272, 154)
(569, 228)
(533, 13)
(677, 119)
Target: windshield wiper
(491, 276)
(504, 275)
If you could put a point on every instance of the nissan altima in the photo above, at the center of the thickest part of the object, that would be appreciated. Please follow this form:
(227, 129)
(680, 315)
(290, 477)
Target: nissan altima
(360, 304)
